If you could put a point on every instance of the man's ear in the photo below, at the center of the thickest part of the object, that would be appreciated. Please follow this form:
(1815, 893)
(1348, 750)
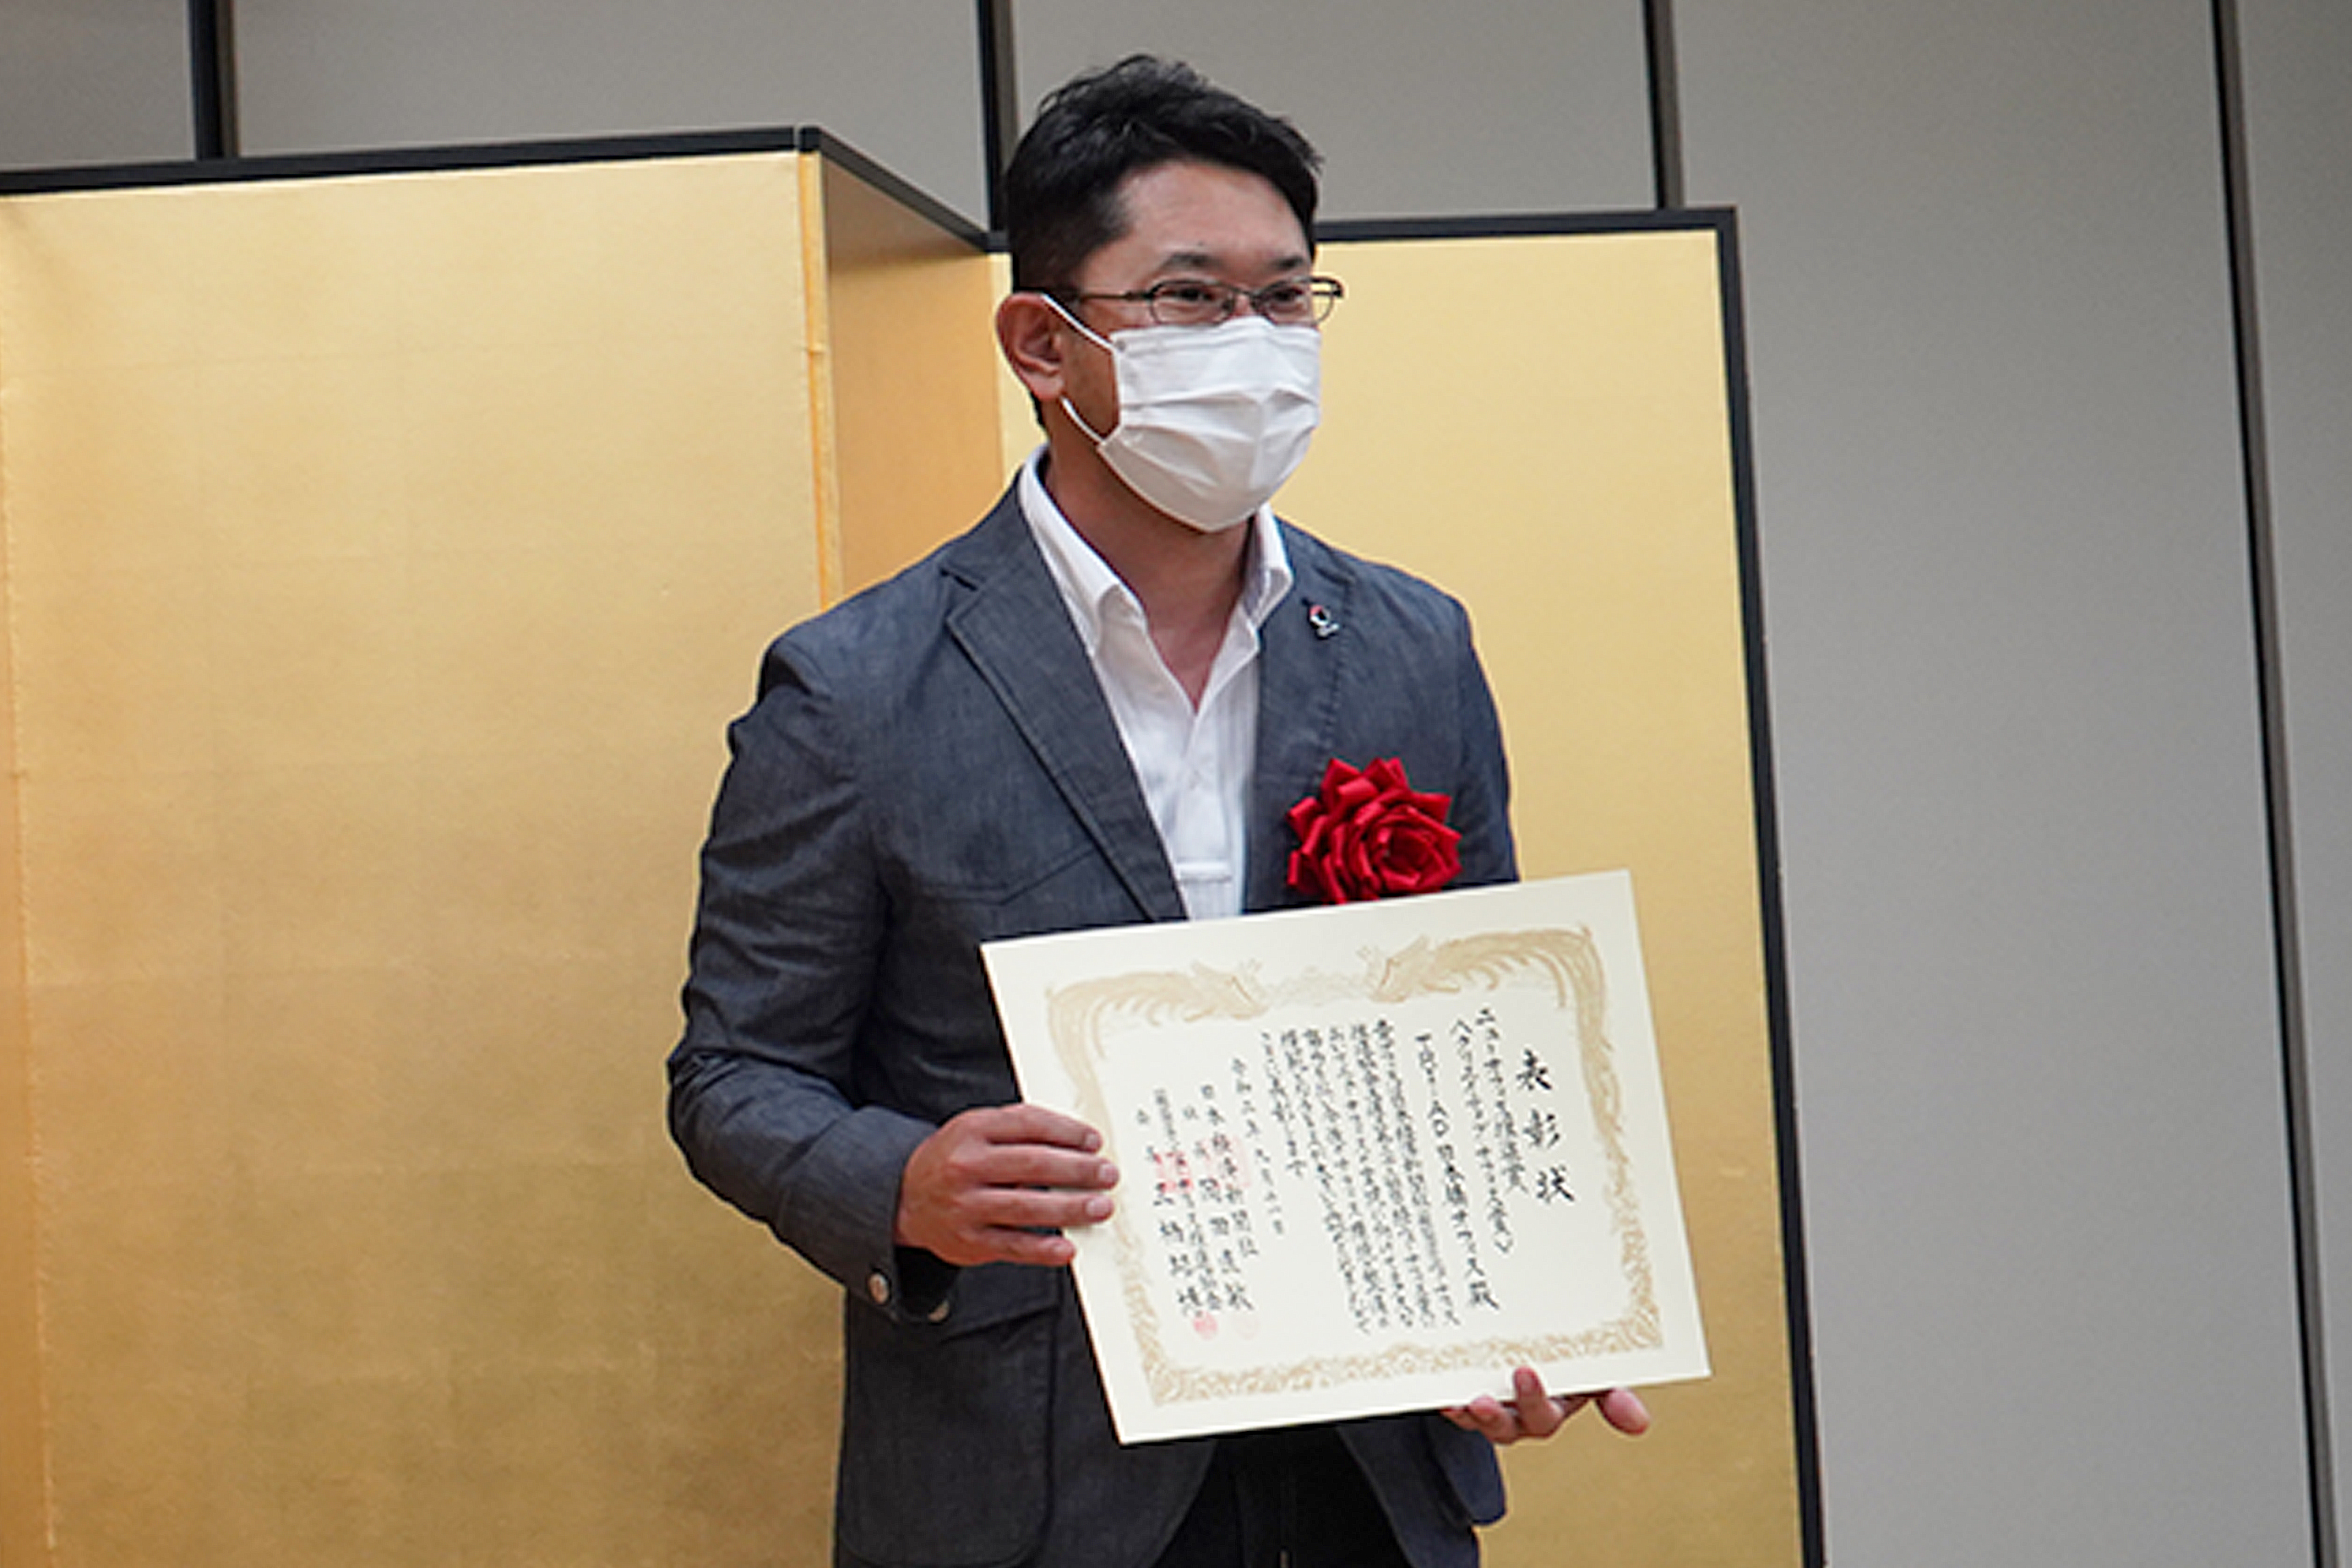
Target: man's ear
(1029, 332)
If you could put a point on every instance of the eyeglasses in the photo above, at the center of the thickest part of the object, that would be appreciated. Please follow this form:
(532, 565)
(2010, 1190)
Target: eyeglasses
(1204, 301)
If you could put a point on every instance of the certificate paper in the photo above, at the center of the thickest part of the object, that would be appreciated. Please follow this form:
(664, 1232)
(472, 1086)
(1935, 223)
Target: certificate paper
(1372, 1157)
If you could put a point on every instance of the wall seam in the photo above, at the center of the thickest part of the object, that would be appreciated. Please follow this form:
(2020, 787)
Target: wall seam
(1000, 101)
(2271, 713)
(1665, 104)
(212, 77)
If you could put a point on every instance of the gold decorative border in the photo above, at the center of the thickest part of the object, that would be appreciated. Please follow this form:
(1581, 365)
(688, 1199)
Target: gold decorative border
(1078, 1013)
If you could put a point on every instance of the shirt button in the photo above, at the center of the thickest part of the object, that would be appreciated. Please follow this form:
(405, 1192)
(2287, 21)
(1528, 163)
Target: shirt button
(877, 1286)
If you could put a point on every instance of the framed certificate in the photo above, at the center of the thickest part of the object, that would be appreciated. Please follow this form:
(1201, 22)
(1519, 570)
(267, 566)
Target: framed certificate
(1372, 1157)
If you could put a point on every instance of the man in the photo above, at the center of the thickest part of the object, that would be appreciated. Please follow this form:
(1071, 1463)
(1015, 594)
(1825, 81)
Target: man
(1093, 709)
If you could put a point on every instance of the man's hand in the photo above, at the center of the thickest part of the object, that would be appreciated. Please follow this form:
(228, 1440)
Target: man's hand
(992, 1185)
(1532, 1414)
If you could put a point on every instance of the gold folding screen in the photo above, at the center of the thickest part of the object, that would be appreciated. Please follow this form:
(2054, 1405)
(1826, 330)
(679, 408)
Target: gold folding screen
(383, 558)
(1542, 423)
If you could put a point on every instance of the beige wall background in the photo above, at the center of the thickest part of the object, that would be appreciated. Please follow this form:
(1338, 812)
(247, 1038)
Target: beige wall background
(384, 558)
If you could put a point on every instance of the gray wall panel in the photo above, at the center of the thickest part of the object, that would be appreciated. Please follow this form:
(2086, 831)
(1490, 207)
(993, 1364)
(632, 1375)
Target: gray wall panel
(2298, 59)
(2019, 774)
(1421, 110)
(93, 82)
(898, 80)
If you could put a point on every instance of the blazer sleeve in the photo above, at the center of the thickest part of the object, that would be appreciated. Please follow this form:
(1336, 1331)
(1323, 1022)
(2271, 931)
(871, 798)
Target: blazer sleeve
(788, 932)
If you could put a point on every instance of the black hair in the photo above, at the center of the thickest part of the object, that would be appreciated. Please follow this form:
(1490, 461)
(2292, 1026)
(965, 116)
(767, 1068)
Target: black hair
(1061, 188)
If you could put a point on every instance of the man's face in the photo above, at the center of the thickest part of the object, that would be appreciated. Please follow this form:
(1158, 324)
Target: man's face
(1185, 220)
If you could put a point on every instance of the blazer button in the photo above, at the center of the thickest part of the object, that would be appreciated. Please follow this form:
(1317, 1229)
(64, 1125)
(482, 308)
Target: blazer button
(877, 1286)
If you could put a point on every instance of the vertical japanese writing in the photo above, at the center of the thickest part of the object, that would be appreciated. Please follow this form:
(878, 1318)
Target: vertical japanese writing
(1200, 1205)
(1429, 1297)
(1538, 1127)
(1472, 1049)
(1337, 1098)
(1252, 1134)
(1452, 1183)
(1409, 1152)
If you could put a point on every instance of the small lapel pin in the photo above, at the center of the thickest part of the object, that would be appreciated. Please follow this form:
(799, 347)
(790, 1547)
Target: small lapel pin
(1322, 620)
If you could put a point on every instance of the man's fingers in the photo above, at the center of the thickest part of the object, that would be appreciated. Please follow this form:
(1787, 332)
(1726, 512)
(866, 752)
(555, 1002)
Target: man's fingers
(1487, 1416)
(1024, 1208)
(1007, 1225)
(978, 1165)
(1539, 1414)
(1024, 1146)
(975, 1189)
(1624, 1410)
(1533, 1415)
(1045, 1250)
(1021, 1123)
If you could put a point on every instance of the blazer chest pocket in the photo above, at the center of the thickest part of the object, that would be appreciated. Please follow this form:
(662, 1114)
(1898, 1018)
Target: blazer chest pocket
(945, 1436)
(983, 880)
(994, 862)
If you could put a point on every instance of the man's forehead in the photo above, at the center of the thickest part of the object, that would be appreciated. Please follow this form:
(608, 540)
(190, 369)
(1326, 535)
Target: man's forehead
(1185, 214)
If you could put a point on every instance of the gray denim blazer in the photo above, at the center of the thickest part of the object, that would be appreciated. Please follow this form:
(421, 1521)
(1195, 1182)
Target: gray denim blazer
(928, 766)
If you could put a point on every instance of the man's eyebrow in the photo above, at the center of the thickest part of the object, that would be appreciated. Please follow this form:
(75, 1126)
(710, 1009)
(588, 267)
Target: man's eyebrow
(1203, 261)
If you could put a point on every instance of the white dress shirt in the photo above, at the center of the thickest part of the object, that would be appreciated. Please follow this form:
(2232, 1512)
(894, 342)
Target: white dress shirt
(1195, 765)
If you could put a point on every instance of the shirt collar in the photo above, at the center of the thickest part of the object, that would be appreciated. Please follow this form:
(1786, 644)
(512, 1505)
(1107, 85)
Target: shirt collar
(1088, 584)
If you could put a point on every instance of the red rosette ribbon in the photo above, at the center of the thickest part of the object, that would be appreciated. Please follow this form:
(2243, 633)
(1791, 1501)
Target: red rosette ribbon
(1368, 833)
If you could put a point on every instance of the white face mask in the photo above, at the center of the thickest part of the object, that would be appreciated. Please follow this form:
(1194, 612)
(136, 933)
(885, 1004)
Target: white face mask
(1212, 420)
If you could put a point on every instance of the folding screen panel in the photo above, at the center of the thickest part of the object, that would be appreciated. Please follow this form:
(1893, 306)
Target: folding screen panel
(385, 557)
(1546, 423)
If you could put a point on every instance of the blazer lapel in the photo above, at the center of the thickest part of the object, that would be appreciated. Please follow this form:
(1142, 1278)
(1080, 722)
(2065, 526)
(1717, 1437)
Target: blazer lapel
(1015, 628)
(1298, 707)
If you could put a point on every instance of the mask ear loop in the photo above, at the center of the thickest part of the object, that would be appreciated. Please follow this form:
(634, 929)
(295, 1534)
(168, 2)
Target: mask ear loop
(1093, 337)
(1084, 331)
